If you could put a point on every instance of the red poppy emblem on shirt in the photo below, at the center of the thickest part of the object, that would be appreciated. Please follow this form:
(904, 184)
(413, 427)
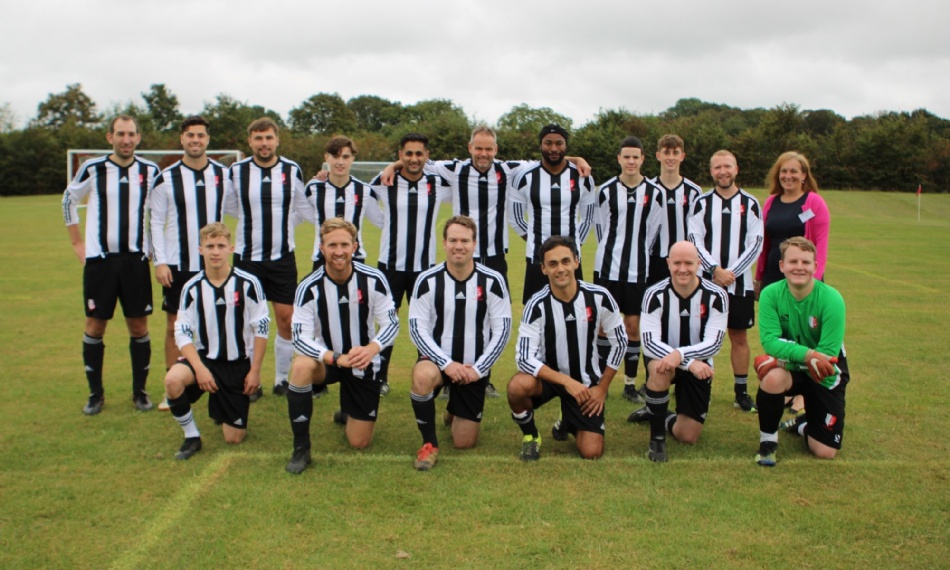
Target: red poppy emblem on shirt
(237, 298)
(590, 314)
(479, 293)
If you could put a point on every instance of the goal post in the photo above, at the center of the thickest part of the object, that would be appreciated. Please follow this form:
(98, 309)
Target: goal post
(75, 157)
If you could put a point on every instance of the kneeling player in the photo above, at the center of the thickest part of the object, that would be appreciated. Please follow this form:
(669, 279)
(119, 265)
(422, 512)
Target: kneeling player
(335, 309)
(557, 354)
(460, 320)
(221, 330)
(682, 327)
(801, 327)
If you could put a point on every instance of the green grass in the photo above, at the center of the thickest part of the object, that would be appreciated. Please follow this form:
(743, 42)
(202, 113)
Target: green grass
(105, 491)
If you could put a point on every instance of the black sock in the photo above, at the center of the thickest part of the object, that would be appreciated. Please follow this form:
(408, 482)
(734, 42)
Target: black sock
(670, 421)
(741, 384)
(658, 403)
(632, 358)
(93, 353)
(526, 423)
(603, 351)
(300, 410)
(385, 355)
(771, 407)
(180, 406)
(424, 408)
(140, 349)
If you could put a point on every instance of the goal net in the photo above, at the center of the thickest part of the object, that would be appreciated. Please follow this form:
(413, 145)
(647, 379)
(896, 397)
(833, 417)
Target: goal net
(364, 171)
(75, 157)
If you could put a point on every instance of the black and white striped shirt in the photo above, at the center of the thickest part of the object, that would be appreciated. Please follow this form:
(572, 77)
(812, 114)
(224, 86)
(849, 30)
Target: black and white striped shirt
(183, 201)
(116, 212)
(410, 210)
(628, 223)
(222, 321)
(695, 325)
(468, 322)
(263, 201)
(728, 233)
(679, 206)
(351, 202)
(482, 196)
(555, 205)
(563, 335)
(340, 316)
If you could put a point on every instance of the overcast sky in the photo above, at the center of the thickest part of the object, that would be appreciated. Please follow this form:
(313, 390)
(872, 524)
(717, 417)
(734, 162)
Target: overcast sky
(854, 57)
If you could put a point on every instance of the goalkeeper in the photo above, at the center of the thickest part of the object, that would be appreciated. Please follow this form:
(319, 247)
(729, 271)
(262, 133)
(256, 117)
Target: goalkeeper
(801, 327)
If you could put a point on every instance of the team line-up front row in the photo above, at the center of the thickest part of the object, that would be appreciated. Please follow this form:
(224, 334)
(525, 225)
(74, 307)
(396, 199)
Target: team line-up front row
(342, 319)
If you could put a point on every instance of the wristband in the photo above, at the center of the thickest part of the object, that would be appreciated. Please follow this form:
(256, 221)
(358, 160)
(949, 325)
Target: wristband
(336, 357)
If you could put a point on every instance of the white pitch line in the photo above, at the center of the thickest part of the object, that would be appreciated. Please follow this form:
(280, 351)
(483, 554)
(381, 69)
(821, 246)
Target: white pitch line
(886, 279)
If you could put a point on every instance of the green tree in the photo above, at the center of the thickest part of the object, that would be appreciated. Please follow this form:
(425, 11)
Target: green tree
(323, 113)
(162, 107)
(72, 106)
(374, 114)
(443, 122)
(229, 119)
(8, 118)
(518, 130)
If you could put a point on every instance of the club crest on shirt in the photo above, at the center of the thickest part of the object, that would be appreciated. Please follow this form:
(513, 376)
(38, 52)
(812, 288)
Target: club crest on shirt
(590, 314)
(217, 180)
(685, 200)
(812, 322)
(359, 296)
(356, 199)
(498, 177)
(573, 185)
(141, 179)
(742, 209)
(702, 310)
(237, 298)
(428, 187)
(646, 200)
(283, 177)
(479, 293)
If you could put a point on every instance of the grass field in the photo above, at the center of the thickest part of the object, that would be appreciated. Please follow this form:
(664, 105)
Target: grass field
(105, 492)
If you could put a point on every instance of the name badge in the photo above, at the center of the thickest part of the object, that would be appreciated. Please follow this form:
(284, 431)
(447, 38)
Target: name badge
(806, 215)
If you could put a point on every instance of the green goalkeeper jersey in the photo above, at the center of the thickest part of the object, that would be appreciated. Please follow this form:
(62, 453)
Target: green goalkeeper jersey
(788, 328)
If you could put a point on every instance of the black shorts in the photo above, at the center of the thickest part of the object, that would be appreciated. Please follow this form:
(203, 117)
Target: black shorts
(401, 283)
(572, 418)
(229, 405)
(171, 296)
(741, 312)
(278, 278)
(535, 280)
(466, 401)
(659, 270)
(692, 394)
(824, 408)
(122, 277)
(359, 397)
(629, 296)
(497, 263)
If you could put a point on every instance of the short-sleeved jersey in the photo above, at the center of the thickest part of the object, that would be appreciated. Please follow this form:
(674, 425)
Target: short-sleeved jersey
(482, 196)
(728, 233)
(563, 336)
(263, 201)
(116, 211)
(410, 209)
(183, 201)
(628, 221)
(693, 325)
(331, 316)
(468, 321)
(789, 328)
(545, 205)
(679, 207)
(352, 202)
(222, 321)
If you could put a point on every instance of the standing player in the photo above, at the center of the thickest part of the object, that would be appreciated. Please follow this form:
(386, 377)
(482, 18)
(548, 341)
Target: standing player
(726, 227)
(460, 320)
(629, 216)
(188, 195)
(114, 255)
(557, 201)
(557, 354)
(265, 190)
(410, 205)
(801, 326)
(680, 194)
(221, 330)
(683, 326)
(344, 316)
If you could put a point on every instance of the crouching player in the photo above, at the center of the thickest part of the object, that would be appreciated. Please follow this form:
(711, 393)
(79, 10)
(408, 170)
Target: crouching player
(221, 332)
(682, 326)
(344, 316)
(801, 327)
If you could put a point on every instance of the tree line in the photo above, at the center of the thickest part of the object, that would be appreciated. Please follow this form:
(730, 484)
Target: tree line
(894, 151)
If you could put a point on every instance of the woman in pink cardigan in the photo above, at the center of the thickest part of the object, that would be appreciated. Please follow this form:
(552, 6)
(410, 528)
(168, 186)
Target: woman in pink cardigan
(793, 208)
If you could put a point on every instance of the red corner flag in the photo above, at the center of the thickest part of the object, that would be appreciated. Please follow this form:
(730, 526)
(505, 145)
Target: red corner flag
(918, 189)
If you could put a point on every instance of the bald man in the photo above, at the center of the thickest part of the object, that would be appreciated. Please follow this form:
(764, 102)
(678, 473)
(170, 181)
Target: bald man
(682, 326)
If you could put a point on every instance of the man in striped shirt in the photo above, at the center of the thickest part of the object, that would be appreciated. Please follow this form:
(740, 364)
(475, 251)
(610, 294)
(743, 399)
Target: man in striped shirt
(557, 354)
(726, 227)
(629, 215)
(221, 330)
(344, 316)
(550, 198)
(188, 195)
(681, 194)
(410, 206)
(682, 328)
(265, 190)
(114, 255)
(460, 320)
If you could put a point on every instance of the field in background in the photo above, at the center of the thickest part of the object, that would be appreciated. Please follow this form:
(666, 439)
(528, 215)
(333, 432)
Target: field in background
(105, 491)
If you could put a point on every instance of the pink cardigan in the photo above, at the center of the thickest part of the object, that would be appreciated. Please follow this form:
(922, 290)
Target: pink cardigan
(816, 231)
